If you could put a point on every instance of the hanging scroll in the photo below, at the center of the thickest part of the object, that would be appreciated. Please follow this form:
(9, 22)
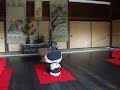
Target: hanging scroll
(59, 20)
(38, 10)
(15, 16)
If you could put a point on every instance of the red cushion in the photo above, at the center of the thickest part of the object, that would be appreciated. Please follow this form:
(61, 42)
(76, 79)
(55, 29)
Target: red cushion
(1, 71)
(116, 53)
(2, 64)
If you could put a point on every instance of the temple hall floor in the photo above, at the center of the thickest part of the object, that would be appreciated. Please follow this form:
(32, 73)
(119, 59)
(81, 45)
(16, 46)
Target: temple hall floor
(89, 68)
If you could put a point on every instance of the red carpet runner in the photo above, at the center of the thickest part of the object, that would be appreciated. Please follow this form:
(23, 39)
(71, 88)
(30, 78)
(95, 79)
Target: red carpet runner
(5, 78)
(47, 78)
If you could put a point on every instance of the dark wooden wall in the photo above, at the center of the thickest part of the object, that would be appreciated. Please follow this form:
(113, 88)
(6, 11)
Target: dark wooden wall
(2, 10)
(115, 9)
(30, 9)
(83, 11)
(77, 11)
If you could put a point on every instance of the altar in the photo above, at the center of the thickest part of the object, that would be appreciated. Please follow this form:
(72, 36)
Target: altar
(33, 48)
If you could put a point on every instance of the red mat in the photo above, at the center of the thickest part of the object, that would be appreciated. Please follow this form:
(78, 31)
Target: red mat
(5, 78)
(47, 78)
(114, 61)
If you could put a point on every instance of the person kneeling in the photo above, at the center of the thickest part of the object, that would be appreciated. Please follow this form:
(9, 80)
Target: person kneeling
(53, 60)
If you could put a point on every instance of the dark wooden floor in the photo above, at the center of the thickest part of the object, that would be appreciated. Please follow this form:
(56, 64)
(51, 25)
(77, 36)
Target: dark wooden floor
(89, 68)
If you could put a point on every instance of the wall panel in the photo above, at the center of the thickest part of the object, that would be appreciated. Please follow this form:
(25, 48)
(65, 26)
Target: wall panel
(80, 34)
(44, 29)
(2, 40)
(100, 34)
(62, 45)
(116, 33)
(14, 47)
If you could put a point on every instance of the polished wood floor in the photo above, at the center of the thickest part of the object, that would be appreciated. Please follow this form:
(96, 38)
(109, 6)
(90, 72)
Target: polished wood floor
(89, 68)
